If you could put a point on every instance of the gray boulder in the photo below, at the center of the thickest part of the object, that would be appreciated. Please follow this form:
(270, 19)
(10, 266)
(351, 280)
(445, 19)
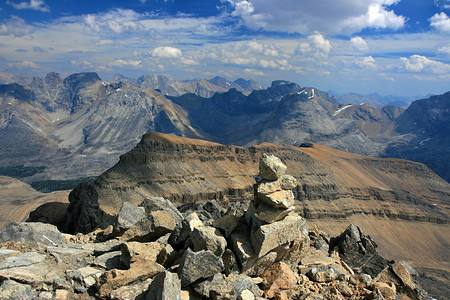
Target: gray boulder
(208, 238)
(165, 286)
(129, 215)
(270, 236)
(40, 233)
(196, 265)
(359, 251)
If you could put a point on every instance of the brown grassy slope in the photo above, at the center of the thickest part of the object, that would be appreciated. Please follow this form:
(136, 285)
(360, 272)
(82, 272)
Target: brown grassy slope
(18, 199)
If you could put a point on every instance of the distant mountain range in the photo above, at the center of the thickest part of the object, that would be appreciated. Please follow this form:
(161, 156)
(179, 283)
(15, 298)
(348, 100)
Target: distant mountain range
(65, 128)
(201, 87)
(375, 99)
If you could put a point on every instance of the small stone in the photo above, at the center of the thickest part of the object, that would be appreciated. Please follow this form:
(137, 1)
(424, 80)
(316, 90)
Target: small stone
(271, 167)
(110, 260)
(323, 274)
(279, 199)
(278, 277)
(208, 238)
(227, 223)
(245, 295)
(285, 182)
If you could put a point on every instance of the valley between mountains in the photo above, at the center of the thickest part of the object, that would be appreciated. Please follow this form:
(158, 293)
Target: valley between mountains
(147, 137)
(83, 124)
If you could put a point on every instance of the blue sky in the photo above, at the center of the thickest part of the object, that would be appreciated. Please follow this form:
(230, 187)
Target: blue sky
(399, 47)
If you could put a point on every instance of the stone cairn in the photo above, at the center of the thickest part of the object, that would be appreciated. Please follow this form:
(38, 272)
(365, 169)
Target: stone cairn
(197, 251)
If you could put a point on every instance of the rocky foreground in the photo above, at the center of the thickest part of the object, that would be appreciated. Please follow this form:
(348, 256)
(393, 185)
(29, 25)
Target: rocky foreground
(155, 250)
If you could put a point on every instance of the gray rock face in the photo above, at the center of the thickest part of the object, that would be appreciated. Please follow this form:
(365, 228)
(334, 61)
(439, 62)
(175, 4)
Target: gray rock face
(359, 251)
(40, 233)
(129, 215)
(165, 286)
(10, 289)
(196, 265)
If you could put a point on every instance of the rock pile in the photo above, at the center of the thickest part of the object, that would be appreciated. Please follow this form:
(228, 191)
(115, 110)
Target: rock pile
(200, 251)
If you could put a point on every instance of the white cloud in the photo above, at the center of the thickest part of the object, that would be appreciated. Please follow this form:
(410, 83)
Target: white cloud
(166, 52)
(104, 42)
(441, 22)
(368, 61)
(317, 47)
(15, 27)
(125, 63)
(33, 4)
(117, 21)
(254, 72)
(419, 63)
(445, 49)
(306, 16)
(24, 64)
(188, 61)
(359, 43)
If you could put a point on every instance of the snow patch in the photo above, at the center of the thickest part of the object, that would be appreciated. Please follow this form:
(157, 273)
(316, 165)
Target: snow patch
(424, 141)
(341, 109)
(312, 95)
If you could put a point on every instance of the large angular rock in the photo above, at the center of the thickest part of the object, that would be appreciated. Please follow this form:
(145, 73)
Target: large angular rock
(40, 233)
(181, 233)
(270, 236)
(227, 223)
(139, 271)
(271, 167)
(10, 289)
(22, 260)
(208, 238)
(242, 246)
(129, 215)
(132, 252)
(153, 226)
(284, 182)
(165, 286)
(359, 251)
(159, 203)
(196, 265)
(278, 277)
(264, 213)
(86, 276)
(226, 287)
(279, 199)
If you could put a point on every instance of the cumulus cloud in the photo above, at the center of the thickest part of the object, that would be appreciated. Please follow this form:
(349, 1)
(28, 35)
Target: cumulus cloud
(125, 63)
(359, 43)
(445, 49)
(305, 16)
(33, 4)
(419, 63)
(316, 47)
(441, 22)
(166, 52)
(189, 61)
(15, 27)
(368, 61)
(254, 72)
(24, 64)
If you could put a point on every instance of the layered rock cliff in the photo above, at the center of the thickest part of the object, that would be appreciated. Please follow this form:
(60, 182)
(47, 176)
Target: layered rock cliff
(398, 202)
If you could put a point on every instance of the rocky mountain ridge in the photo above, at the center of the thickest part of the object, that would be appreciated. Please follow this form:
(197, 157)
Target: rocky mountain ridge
(83, 123)
(155, 250)
(399, 202)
